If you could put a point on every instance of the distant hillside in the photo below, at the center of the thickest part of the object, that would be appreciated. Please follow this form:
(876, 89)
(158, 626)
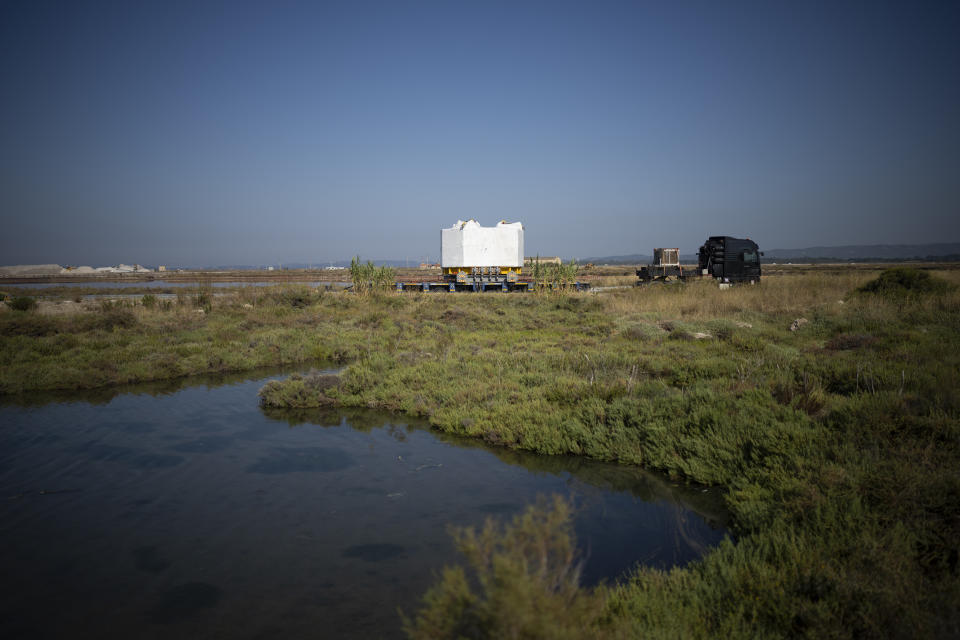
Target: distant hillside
(634, 258)
(881, 252)
(945, 251)
(322, 264)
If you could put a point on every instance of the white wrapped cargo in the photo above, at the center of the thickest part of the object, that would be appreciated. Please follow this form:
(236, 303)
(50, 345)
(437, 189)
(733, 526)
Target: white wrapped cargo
(467, 244)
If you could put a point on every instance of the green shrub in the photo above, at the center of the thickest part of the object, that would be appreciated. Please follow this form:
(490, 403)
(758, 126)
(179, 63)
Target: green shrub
(107, 320)
(904, 282)
(525, 583)
(22, 324)
(294, 297)
(22, 303)
(299, 391)
(203, 299)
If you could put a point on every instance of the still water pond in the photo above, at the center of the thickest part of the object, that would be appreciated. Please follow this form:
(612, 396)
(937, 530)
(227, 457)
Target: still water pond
(187, 511)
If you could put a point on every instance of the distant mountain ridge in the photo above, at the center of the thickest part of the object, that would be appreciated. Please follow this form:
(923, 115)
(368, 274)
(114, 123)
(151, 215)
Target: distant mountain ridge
(942, 251)
(874, 251)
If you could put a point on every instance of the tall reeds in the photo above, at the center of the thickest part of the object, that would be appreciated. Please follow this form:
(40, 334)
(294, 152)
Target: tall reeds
(369, 277)
(555, 277)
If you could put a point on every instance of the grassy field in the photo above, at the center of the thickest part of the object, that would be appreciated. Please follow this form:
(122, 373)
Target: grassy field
(838, 442)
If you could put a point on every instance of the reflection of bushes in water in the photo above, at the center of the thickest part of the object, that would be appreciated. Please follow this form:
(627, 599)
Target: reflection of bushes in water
(105, 394)
(524, 583)
(318, 416)
(647, 486)
(364, 420)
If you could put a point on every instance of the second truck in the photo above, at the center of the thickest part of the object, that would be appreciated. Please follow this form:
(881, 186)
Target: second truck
(724, 258)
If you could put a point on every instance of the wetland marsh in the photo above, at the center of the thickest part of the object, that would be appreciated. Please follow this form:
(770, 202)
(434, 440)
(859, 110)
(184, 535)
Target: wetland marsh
(826, 411)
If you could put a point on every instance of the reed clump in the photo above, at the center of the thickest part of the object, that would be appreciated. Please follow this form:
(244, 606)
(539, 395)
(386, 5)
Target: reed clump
(369, 277)
(555, 277)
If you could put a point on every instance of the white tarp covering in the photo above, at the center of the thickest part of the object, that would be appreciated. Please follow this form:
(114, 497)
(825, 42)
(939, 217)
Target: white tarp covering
(467, 244)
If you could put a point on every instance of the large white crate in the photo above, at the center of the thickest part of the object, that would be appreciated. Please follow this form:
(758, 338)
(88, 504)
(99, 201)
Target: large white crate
(467, 244)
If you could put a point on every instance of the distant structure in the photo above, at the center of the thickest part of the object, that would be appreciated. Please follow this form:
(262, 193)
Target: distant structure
(161, 268)
(30, 270)
(543, 260)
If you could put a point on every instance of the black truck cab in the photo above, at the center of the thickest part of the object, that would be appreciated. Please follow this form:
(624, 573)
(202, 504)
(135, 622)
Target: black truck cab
(730, 259)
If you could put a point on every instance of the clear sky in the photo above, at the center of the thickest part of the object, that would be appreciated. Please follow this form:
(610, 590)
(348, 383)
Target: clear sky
(243, 133)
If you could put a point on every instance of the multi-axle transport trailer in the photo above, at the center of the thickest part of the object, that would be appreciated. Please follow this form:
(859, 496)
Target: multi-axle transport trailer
(479, 285)
(476, 258)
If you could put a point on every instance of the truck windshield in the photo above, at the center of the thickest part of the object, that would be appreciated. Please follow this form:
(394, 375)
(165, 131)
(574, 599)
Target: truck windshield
(750, 256)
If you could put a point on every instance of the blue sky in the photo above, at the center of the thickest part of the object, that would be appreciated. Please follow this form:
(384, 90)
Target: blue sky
(247, 133)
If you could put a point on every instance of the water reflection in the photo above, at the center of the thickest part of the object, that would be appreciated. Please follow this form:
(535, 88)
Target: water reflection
(646, 486)
(183, 508)
(156, 388)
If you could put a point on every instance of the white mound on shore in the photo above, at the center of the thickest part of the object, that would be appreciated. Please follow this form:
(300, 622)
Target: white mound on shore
(19, 270)
(31, 270)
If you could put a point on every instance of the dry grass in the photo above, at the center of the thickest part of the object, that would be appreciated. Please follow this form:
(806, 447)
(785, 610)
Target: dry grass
(779, 296)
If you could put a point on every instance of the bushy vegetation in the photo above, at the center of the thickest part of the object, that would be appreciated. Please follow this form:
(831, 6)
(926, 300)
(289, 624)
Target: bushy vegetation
(299, 391)
(524, 583)
(22, 303)
(838, 443)
(906, 281)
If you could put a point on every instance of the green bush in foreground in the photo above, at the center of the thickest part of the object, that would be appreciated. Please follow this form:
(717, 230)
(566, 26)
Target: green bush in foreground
(525, 583)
